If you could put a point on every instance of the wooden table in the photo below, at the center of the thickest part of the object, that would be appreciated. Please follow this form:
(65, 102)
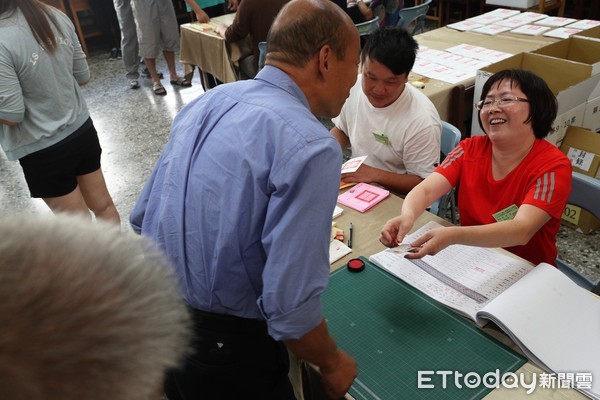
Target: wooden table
(201, 46)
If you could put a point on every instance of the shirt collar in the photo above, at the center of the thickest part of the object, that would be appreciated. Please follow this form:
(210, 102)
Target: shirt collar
(280, 79)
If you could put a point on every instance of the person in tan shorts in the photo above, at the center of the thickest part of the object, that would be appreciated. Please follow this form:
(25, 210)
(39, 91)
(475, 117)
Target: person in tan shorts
(157, 29)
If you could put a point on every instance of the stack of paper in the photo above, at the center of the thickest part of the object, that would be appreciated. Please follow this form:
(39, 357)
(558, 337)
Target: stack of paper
(531, 29)
(562, 33)
(337, 211)
(337, 250)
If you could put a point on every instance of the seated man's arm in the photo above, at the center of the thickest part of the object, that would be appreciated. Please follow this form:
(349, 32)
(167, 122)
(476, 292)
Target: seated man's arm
(397, 183)
(340, 137)
(240, 27)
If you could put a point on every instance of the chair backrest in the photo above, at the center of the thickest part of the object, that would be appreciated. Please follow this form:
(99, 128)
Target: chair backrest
(262, 54)
(410, 14)
(450, 137)
(368, 27)
(585, 192)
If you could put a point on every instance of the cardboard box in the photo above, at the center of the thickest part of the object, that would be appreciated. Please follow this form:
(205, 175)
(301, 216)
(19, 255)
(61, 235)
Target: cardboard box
(592, 33)
(579, 219)
(513, 3)
(571, 82)
(572, 117)
(591, 117)
(582, 146)
(578, 49)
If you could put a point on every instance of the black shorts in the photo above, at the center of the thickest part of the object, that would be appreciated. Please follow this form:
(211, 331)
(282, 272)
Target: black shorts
(53, 171)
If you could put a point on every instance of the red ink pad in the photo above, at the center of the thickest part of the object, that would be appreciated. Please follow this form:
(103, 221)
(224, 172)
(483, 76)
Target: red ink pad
(356, 265)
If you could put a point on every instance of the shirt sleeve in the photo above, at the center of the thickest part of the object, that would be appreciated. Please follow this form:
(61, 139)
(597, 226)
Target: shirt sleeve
(296, 239)
(451, 167)
(551, 187)
(422, 150)
(81, 71)
(340, 121)
(12, 106)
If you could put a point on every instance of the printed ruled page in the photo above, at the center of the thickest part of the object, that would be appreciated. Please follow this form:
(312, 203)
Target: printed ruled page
(465, 278)
(555, 322)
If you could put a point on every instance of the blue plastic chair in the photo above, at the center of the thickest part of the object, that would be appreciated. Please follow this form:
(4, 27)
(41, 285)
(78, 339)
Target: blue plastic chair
(407, 16)
(262, 54)
(585, 193)
(450, 138)
(368, 27)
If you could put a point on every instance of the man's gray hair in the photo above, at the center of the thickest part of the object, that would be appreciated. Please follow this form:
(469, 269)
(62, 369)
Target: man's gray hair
(302, 28)
(86, 312)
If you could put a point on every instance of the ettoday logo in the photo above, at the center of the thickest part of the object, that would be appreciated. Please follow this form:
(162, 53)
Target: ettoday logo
(494, 380)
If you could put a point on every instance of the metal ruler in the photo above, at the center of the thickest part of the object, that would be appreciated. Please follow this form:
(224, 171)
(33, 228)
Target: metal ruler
(478, 297)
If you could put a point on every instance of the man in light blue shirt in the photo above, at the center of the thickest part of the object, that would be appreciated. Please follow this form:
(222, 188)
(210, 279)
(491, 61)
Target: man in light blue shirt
(241, 202)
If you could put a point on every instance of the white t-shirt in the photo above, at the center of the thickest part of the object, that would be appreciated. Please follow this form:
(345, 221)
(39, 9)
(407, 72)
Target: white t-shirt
(403, 137)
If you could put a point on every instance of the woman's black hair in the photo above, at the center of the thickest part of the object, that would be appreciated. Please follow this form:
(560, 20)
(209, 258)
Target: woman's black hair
(542, 102)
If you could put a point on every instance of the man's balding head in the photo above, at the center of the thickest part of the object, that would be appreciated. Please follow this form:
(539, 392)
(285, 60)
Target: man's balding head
(316, 44)
(302, 27)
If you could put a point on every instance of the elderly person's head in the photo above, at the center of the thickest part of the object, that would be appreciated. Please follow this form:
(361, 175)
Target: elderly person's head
(318, 46)
(86, 312)
(516, 96)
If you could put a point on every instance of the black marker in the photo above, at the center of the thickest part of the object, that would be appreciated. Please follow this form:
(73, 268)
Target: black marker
(350, 236)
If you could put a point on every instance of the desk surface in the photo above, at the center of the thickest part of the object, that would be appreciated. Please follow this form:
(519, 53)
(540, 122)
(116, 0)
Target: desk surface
(366, 229)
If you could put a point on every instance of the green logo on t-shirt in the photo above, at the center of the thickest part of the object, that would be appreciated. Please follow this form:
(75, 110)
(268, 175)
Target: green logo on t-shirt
(507, 214)
(381, 138)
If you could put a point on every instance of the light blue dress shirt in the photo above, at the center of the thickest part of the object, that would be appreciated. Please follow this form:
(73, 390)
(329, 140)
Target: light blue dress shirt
(241, 201)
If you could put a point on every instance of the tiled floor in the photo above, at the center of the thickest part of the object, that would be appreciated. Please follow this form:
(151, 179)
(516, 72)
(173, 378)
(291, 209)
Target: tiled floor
(133, 126)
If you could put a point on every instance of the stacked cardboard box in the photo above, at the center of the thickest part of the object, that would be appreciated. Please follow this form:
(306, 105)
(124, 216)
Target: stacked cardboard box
(571, 67)
(582, 146)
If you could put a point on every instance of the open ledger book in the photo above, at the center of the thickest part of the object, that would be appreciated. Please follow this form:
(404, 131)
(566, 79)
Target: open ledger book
(554, 322)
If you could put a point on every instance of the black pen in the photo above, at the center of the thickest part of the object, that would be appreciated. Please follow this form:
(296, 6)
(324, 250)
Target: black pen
(350, 236)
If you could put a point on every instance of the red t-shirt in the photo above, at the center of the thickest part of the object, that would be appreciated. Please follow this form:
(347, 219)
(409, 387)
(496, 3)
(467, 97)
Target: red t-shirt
(542, 179)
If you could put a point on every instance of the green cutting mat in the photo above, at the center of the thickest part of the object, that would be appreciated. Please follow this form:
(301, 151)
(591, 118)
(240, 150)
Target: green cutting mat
(393, 330)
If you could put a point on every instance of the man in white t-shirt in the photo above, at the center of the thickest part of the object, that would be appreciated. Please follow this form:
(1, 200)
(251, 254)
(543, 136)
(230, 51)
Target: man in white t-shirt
(388, 119)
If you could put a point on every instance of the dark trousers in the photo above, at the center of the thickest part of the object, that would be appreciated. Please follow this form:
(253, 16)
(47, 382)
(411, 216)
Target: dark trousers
(233, 358)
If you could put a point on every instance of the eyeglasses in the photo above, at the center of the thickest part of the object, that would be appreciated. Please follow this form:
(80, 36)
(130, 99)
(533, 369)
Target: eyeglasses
(503, 102)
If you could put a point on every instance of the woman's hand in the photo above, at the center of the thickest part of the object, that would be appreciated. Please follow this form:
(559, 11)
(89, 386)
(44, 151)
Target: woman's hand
(395, 229)
(432, 242)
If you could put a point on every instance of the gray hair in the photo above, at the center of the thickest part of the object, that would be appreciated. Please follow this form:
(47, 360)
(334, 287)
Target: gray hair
(303, 27)
(86, 312)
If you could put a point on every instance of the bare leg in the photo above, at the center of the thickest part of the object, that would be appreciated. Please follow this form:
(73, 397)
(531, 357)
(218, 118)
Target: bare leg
(95, 194)
(71, 203)
(170, 58)
(151, 64)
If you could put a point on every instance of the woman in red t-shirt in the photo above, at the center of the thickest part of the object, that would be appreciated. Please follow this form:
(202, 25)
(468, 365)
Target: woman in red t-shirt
(513, 184)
